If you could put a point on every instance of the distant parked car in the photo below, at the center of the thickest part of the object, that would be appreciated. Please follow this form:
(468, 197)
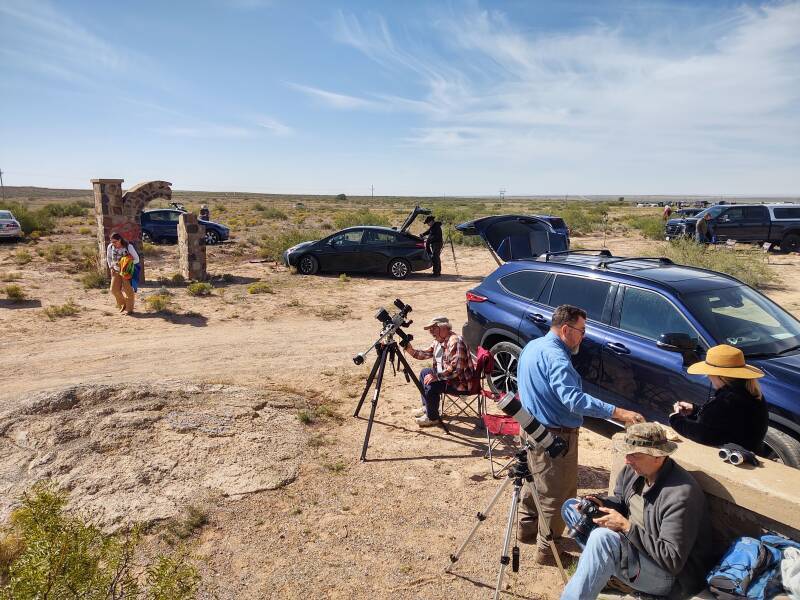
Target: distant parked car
(9, 226)
(364, 249)
(160, 226)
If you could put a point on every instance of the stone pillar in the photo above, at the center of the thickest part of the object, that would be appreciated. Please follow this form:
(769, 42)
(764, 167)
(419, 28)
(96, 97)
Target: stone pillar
(108, 212)
(191, 247)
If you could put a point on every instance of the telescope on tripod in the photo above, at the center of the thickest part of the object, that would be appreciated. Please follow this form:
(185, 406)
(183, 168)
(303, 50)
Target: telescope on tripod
(386, 348)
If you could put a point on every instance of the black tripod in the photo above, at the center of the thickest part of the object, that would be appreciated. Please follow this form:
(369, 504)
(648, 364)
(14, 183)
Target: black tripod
(521, 475)
(387, 351)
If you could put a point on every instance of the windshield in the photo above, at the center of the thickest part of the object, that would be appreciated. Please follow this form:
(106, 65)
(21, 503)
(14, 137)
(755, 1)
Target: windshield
(714, 211)
(741, 317)
(5, 215)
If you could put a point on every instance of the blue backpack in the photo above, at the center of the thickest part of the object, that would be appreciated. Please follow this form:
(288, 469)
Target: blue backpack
(750, 569)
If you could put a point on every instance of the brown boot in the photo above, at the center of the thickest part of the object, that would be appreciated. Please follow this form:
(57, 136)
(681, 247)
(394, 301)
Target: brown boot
(545, 558)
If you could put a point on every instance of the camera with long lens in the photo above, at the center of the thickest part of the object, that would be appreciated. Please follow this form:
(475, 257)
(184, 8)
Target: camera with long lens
(554, 445)
(589, 511)
(392, 325)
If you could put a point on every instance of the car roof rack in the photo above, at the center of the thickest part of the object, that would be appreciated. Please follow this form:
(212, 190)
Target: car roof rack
(662, 260)
(601, 252)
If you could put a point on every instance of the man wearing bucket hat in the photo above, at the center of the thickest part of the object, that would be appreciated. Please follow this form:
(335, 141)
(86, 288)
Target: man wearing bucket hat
(654, 535)
(736, 413)
(452, 369)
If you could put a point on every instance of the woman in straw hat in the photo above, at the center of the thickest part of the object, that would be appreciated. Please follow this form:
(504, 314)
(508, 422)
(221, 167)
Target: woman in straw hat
(736, 412)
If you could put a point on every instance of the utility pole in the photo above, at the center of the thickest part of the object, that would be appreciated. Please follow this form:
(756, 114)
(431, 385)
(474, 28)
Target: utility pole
(502, 194)
(372, 191)
(2, 187)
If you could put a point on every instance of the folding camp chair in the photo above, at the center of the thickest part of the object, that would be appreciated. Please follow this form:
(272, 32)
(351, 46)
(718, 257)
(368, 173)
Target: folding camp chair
(472, 400)
(497, 426)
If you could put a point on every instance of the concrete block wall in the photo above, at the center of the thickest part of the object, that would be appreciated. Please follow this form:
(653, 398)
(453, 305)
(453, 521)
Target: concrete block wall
(191, 247)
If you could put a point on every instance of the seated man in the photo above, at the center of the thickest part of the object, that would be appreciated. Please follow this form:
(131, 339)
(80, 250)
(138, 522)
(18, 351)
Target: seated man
(655, 534)
(452, 369)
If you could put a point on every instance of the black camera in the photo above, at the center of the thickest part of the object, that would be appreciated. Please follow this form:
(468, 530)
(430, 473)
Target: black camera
(589, 511)
(392, 325)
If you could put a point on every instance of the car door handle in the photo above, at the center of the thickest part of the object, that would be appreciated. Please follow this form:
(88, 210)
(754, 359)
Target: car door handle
(536, 318)
(617, 348)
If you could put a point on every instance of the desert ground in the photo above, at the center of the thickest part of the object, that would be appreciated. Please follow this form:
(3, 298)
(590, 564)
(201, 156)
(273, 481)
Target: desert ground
(327, 525)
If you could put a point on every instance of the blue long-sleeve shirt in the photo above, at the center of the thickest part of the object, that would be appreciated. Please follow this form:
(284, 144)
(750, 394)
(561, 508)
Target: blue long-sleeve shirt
(550, 388)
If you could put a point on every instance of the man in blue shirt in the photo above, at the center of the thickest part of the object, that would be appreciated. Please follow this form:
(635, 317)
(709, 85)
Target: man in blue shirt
(551, 390)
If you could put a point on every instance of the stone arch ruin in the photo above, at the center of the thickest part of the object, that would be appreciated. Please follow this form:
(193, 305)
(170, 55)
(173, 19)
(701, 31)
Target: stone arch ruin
(120, 212)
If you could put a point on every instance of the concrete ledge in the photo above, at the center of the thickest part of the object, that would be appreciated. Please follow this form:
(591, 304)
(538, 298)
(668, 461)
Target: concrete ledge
(742, 500)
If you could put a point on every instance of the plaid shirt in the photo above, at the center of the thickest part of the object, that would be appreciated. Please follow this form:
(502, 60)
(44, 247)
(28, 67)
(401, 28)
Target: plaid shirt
(456, 360)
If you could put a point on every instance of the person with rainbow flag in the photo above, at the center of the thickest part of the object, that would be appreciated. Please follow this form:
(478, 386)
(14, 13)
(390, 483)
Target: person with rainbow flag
(123, 262)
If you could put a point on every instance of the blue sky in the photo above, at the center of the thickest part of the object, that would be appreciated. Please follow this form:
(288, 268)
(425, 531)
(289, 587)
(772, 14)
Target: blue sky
(415, 98)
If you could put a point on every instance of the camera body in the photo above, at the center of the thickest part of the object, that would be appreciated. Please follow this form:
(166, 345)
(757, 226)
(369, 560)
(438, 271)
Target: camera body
(589, 511)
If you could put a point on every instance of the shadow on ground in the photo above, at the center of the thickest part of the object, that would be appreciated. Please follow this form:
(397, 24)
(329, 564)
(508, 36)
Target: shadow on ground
(193, 319)
(20, 303)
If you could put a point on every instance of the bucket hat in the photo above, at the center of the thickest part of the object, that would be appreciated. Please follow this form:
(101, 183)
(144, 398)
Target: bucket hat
(438, 321)
(644, 438)
(726, 361)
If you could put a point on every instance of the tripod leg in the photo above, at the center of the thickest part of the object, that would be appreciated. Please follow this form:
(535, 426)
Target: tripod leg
(378, 383)
(369, 380)
(481, 516)
(548, 534)
(505, 558)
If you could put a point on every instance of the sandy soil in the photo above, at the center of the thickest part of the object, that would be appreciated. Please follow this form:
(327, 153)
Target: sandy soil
(342, 529)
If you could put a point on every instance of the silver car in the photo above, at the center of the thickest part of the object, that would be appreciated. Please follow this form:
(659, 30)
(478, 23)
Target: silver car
(9, 226)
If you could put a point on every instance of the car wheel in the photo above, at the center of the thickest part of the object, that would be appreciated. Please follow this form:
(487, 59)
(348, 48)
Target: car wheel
(791, 243)
(399, 268)
(503, 377)
(782, 448)
(212, 237)
(146, 238)
(308, 265)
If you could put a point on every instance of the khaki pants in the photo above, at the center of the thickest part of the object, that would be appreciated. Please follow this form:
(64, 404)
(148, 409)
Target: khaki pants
(556, 480)
(122, 291)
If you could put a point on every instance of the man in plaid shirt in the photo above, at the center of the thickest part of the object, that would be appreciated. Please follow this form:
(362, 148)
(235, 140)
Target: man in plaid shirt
(452, 369)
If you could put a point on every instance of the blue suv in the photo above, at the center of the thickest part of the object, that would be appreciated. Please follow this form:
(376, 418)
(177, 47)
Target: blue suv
(161, 226)
(648, 319)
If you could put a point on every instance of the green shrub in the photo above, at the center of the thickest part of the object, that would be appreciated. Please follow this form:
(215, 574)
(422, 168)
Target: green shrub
(30, 220)
(22, 257)
(344, 278)
(159, 302)
(94, 280)
(258, 206)
(200, 288)
(650, 227)
(177, 279)
(84, 230)
(69, 209)
(15, 293)
(260, 287)
(274, 213)
(57, 311)
(51, 553)
(271, 247)
(362, 216)
(151, 249)
(747, 265)
(10, 276)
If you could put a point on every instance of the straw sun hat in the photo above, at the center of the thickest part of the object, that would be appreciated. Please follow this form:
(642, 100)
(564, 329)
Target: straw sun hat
(726, 361)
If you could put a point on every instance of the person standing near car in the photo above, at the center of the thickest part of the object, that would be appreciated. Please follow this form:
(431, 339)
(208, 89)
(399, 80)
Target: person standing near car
(702, 230)
(434, 242)
(205, 214)
(736, 414)
(551, 390)
(121, 288)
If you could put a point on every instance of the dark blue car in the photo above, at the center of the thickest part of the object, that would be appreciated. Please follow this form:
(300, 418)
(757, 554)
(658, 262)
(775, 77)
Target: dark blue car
(160, 226)
(648, 319)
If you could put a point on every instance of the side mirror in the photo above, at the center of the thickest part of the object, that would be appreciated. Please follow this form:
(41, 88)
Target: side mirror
(682, 343)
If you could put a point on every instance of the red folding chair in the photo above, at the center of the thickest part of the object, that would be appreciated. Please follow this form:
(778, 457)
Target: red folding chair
(499, 426)
(472, 400)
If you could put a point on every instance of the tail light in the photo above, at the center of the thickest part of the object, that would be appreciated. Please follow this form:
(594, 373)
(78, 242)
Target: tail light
(473, 297)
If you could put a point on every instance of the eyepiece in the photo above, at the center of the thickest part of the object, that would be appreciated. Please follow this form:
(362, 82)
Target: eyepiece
(358, 359)
(724, 454)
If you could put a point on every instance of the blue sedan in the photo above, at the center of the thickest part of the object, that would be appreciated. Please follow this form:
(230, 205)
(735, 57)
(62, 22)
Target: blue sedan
(161, 226)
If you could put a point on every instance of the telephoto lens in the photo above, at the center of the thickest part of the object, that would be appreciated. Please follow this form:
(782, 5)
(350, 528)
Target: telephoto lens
(552, 444)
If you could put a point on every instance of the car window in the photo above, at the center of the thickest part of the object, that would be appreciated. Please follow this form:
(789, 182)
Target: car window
(528, 284)
(787, 213)
(173, 216)
(585, 293)
(649, 314)
(157, 216)
(347, 238)
(5, 215)
(379, 237)
(756, 213)
(732, 214)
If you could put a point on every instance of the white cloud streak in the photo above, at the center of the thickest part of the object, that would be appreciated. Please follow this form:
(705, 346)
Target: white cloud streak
(333, 99)
(274, 126)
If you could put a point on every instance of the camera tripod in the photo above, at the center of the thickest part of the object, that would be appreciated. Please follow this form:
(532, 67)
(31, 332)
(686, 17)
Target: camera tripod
(386, 351)
(521, 475)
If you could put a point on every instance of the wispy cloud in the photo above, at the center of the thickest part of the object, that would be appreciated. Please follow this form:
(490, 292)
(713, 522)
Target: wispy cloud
(333, 99)
(207, 132)
(273, 126)
(605, 89)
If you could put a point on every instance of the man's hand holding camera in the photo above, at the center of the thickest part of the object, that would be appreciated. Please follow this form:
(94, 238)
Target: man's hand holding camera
(611, 519)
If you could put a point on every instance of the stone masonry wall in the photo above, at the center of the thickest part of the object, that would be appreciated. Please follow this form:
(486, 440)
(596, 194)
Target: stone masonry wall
(120, 212)
(191, 247)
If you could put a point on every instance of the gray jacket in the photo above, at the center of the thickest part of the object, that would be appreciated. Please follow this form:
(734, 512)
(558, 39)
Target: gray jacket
(677, 531)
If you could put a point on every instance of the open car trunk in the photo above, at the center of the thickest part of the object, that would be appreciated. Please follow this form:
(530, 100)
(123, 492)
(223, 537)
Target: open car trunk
(515, 237)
